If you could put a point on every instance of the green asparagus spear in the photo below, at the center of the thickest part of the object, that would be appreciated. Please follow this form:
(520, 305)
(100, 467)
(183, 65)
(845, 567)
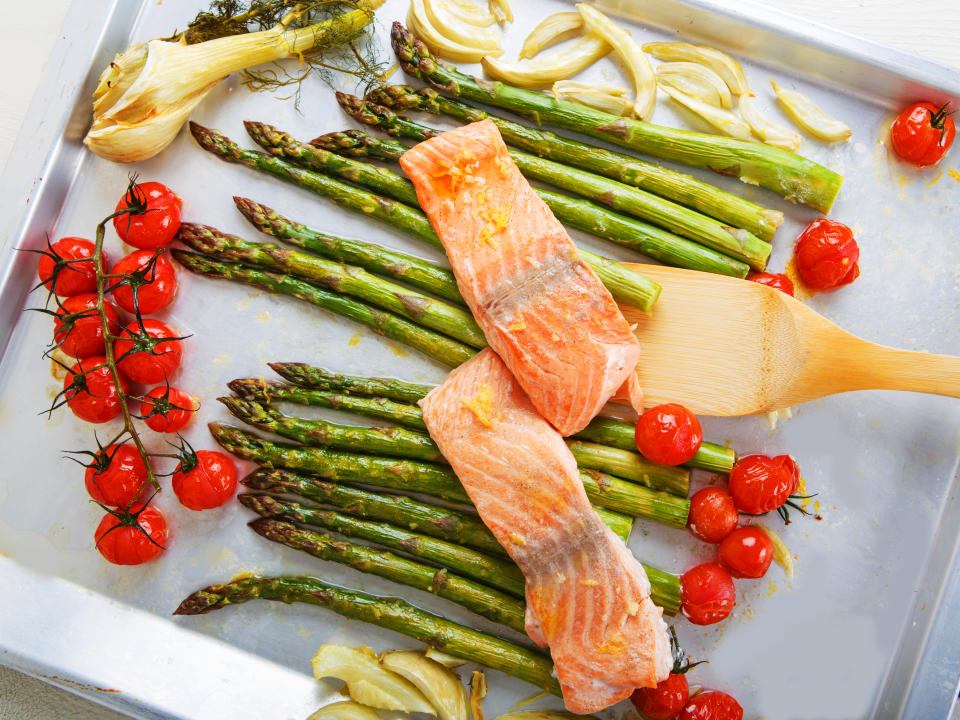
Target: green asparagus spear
(435, 314)
(603, 490)
(439, 347)
(422, 517)
(679, 219)
(654, 242)
(262, 391)
(626, 285)
(370, 256)
(632, 466)
(391, 613)
(394, 474)
(497, 573)
(679, 187)
(605, 431)
(485, 601)
(791, 175)
(453, 526)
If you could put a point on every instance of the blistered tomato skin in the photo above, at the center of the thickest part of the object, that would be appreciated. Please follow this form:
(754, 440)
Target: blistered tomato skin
(143, 364)
(82, 334)
(713, 514)
(778, 281)
(207, 482)
(121, 481)
(159, 289)
(664, 701)
(158, 225)
(707, 594)
(167, 410)
(923, 133)
(759, 483)
(96, 401)
(827, 255)
(668, 434)
(138, 538)
(746, 552)
(71, 278)
(711, 705)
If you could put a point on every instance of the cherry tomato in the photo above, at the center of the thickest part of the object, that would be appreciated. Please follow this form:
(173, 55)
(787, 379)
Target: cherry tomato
(827, 255)
(72, 278)
(711, 705)
(77, 329)
(713, 514)
(116, 476)
(145, 360)
(923, 133)
(668, 434)
(778, 281)
(746, 552)
(205, 479)
(156, 288)
(90, 392)
(759, 483)
(136, 536)
(167, 409)
(664, 701)
(707, 594)
(155, 227)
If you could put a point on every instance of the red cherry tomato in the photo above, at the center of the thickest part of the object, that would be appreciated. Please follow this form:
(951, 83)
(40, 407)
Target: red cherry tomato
(137, 536)
(711, 705)
(72, 278)
(759, 483)
(664, 701)
(707, 594)
(116, 476)
(923, 133)
(145, 360)
(90, 392)
(746, 552)
(155, 227)
(778, 281)
(167, 410)
(205, 480)
(668, 434)
(159, 282)
(77, 329)
(713, 514)
(827, 255)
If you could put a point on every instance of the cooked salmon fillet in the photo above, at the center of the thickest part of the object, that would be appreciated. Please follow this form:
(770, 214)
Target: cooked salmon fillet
(541, 308)
(588, 598)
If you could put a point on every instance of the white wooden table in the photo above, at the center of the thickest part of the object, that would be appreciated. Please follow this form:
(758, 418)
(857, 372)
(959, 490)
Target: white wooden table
(929, 28)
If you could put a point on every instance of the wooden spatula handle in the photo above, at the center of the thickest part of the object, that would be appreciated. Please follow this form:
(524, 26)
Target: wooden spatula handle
(885, 368)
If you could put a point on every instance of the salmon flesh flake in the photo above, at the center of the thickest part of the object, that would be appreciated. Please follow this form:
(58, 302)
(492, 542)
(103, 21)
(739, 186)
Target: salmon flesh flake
(541, 308)
(588, 598)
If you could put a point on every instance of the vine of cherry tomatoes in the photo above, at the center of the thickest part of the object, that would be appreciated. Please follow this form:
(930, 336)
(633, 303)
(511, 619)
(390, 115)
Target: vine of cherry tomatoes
(146, 352)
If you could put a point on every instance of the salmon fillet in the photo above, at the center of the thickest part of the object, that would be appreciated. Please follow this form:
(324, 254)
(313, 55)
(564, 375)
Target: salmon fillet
(541, 308)
(588, 598)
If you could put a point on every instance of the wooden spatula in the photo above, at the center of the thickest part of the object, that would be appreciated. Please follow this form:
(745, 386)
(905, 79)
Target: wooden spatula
(722, 346)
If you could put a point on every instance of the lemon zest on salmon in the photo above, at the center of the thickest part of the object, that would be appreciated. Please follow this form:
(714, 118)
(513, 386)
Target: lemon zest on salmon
(504, 165)
(633, 607)
(481, 405)
(518, 539)
(615, 645)
(517, 326)
(590, 583)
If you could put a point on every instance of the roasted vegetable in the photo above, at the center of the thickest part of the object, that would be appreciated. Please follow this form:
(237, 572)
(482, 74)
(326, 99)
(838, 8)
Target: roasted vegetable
(439, 684)
(810, 118)
(552, 30)
(607, 98)
(717, 60)
(723, 120)
(546, 69)
(766, 130)
(696, 80)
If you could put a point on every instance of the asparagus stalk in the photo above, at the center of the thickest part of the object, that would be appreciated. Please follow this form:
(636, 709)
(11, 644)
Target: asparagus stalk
(791, 175)
(370, 256)
(262, 391)
(391, 613)
(615, 433)
(443, 523)
(434, 345)
(624, 284)
(426, 519)
(435, 314)
(394, 474)
(485, 601)
(679, 187)
(632, 466)
(603, 490)
(679, 219)
(497, 573)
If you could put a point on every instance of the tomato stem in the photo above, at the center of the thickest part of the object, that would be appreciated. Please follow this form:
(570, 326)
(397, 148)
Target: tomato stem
(938, 119)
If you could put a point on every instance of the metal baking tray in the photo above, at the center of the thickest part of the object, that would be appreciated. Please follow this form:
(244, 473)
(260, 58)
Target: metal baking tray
(869, 627)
